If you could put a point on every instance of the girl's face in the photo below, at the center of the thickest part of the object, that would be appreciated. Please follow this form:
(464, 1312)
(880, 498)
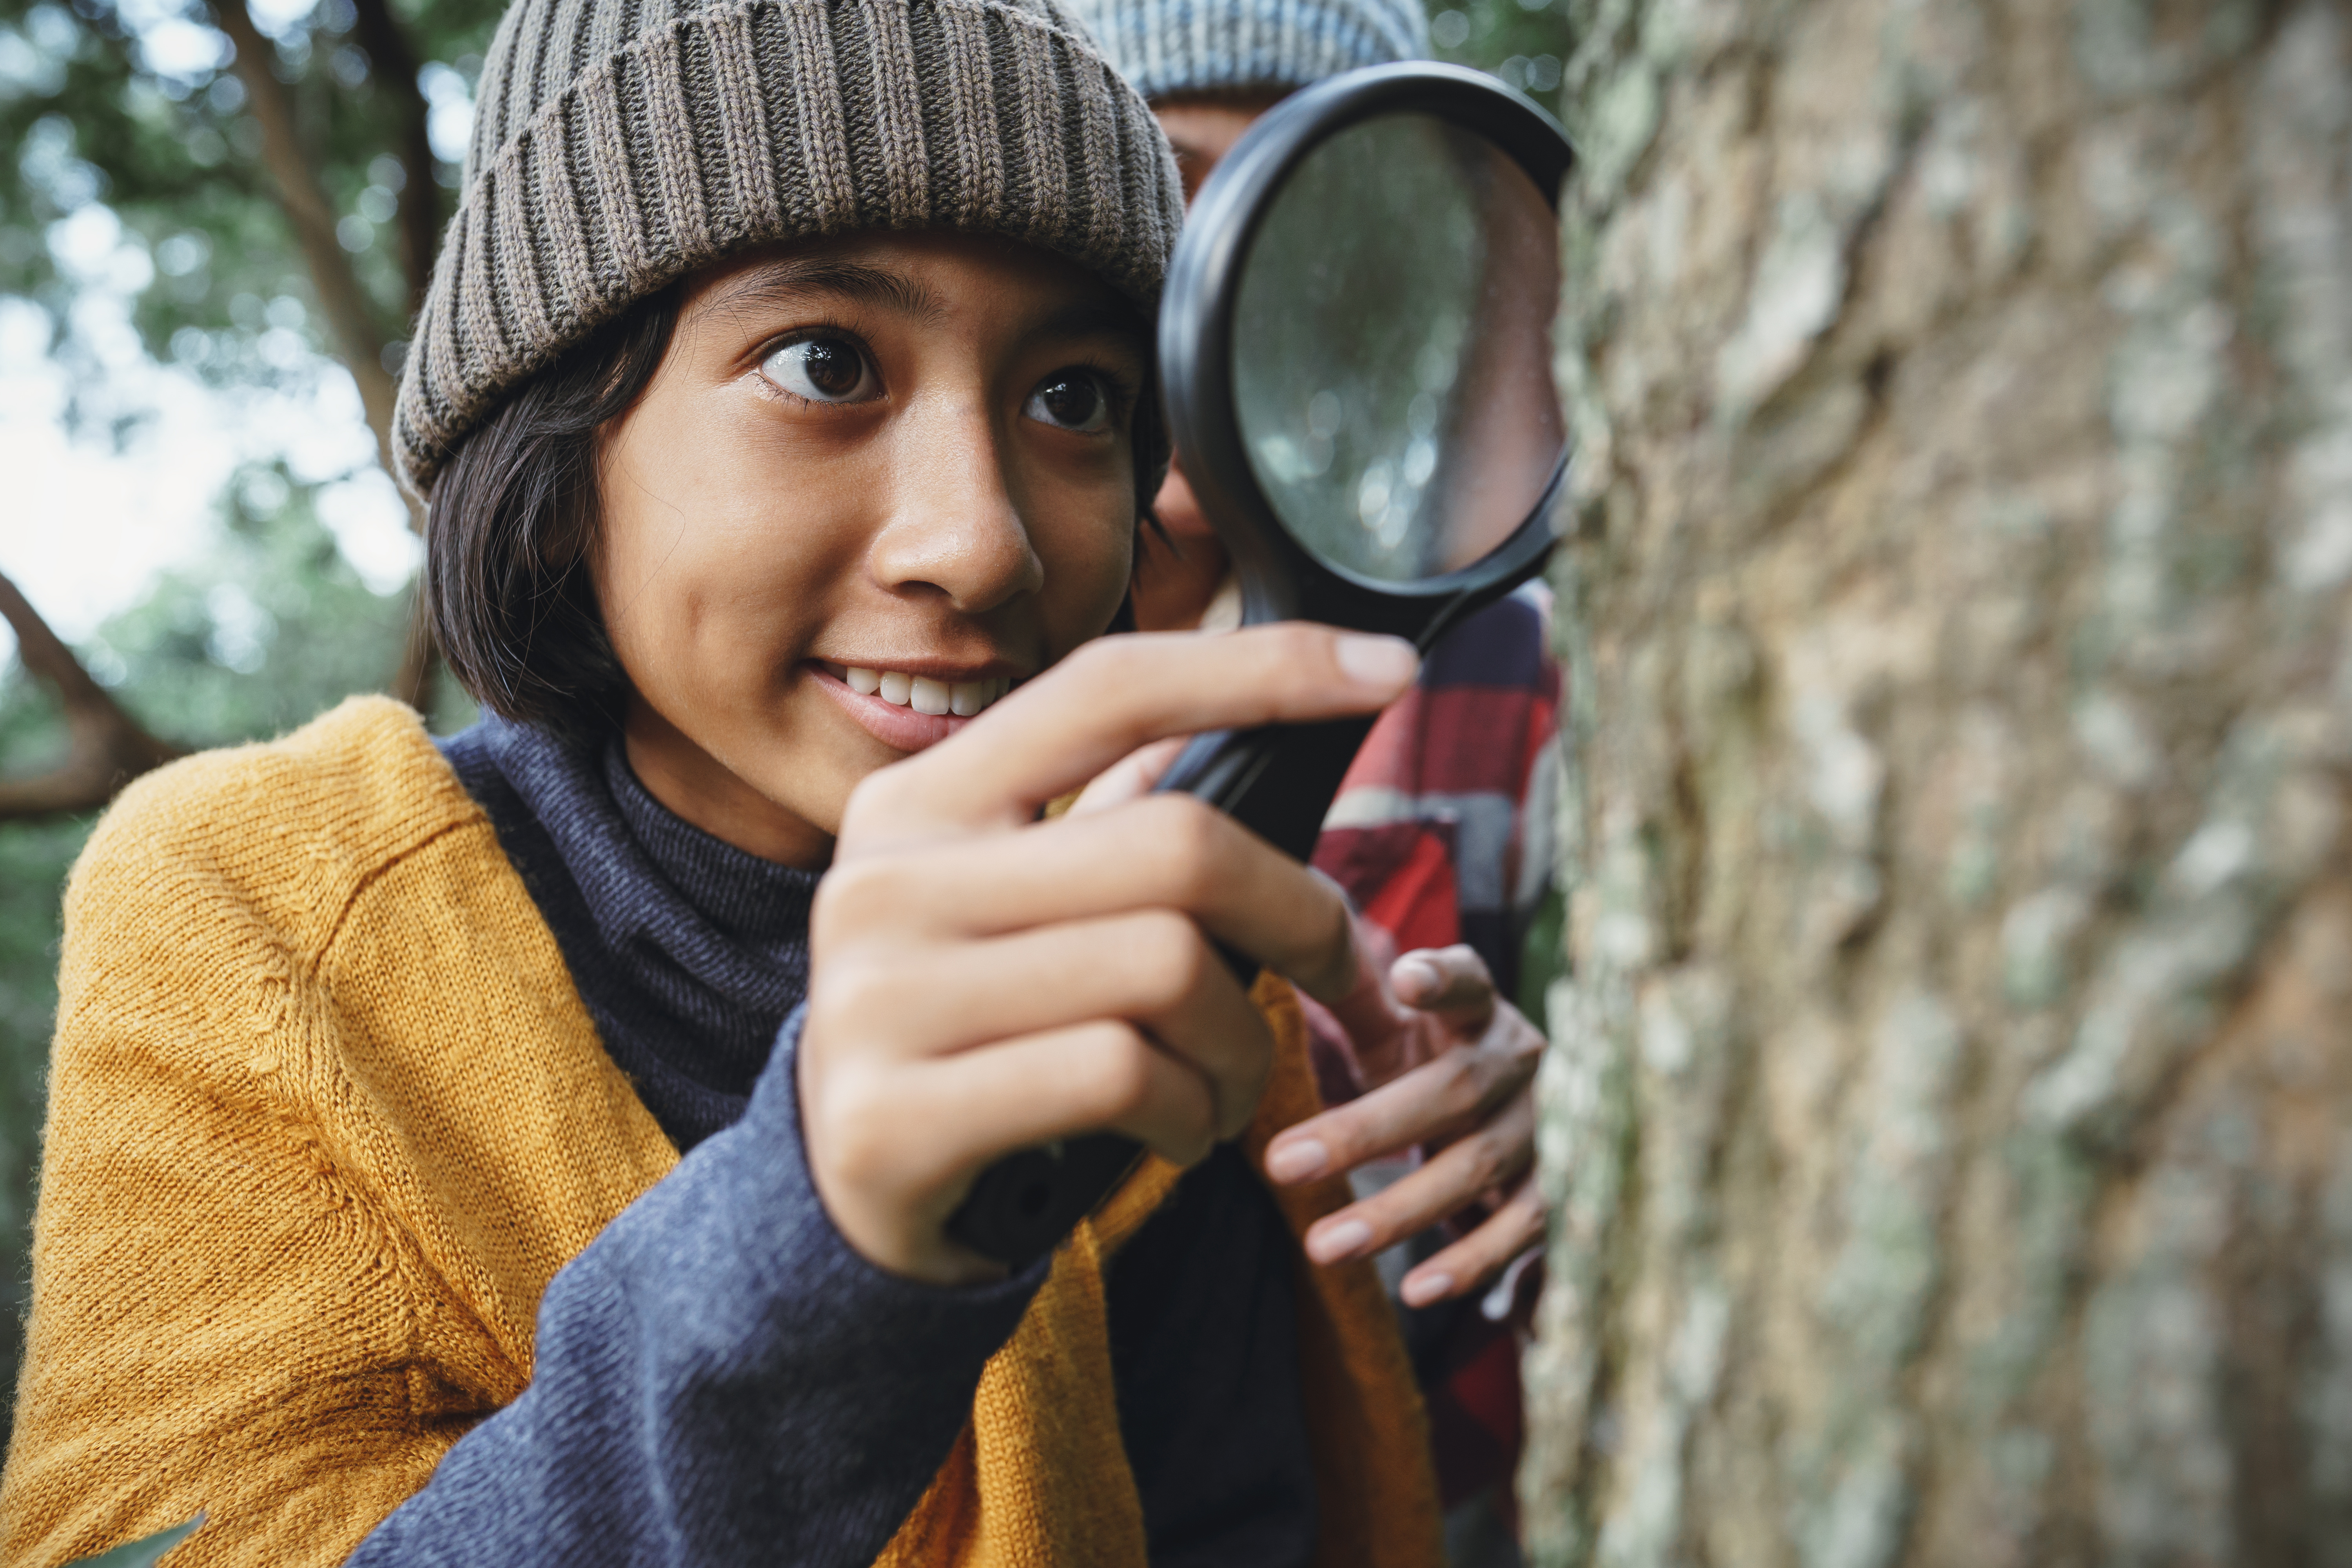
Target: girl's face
(874, 481)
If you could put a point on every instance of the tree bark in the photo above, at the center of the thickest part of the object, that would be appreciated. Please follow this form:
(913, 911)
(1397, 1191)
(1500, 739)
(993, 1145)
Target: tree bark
(1949, 1120)
(106, 747)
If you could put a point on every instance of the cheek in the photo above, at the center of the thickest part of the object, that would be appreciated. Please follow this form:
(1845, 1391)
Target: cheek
(704, 581)
(1091, 560)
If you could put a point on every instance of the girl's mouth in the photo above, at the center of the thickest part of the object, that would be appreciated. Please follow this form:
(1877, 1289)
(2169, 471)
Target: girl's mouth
(903, 711)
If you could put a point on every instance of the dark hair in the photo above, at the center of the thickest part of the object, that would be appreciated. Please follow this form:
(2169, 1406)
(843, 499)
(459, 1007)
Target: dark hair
(514, 519)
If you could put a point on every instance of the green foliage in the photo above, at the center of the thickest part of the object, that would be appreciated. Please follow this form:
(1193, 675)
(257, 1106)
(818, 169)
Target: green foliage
(150, 121)
(1525, 44)
(269, 629)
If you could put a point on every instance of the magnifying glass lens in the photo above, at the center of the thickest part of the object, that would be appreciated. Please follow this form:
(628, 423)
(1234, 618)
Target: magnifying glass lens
(1391, 349)
(1356, 349)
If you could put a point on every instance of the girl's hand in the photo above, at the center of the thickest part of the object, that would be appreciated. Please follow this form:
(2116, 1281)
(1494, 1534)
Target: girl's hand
(982, 982)
(1455, 1067)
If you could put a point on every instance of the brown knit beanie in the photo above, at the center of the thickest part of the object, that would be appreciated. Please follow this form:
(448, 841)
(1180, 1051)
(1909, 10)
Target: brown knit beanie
(619, 144)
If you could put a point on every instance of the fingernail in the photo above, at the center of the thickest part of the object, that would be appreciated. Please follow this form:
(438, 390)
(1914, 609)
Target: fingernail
(1420, 1290)
(1416, 974)
(1387, 662)
(1341, 1241)
(1296, 1161)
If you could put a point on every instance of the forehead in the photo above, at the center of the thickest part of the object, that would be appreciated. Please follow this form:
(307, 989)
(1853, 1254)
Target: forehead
(931, 275)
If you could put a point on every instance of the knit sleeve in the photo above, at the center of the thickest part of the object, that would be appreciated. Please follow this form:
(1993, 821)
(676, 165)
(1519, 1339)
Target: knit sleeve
(722, 1379)
(219, 1324)
(341, 1197)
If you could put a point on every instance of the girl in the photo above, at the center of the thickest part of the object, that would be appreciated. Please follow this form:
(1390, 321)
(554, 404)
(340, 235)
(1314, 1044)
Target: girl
(507, 1151)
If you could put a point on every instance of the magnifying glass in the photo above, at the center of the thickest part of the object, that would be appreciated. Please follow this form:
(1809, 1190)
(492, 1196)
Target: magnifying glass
(1355, 351)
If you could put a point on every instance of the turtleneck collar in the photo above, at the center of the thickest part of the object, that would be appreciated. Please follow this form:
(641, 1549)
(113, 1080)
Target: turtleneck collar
(689, 951)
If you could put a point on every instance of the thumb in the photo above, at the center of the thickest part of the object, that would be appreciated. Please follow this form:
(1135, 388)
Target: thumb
(1450, 980)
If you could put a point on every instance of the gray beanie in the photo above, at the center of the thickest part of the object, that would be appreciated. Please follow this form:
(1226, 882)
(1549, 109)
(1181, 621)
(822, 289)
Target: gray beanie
(620, 143)
(1170, 47)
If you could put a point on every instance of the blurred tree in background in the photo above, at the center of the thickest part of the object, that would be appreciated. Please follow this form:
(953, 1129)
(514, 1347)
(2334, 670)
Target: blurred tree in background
(264, 181)
(261, 202)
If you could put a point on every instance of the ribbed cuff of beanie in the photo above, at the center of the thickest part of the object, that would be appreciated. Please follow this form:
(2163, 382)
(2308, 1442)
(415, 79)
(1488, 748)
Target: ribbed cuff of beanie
(596, 179)
(1166, 47)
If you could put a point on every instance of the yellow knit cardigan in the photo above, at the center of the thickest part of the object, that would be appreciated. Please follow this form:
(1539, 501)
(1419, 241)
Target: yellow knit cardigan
(326, 1114)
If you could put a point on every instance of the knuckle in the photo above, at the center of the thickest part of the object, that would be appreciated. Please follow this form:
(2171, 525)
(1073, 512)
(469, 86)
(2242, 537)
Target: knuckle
(1488, 1160)
(862, 991)
(1168, 957)
(851, 895)
(1464, 1083)
(1102, 666)
(1529, 1218)
(1465, 960)
(877, 799)
(856, 1127)
(1188, 838)
(1116, 1078)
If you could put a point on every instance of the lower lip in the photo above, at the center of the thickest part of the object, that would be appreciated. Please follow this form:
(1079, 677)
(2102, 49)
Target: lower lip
(900, 729)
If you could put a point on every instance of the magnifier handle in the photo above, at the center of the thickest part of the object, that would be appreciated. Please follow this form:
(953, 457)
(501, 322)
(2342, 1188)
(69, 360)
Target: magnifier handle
(1022, 1206)
(1278, 782)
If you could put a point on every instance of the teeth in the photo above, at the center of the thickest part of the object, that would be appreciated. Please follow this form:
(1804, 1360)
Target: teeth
(922, 693)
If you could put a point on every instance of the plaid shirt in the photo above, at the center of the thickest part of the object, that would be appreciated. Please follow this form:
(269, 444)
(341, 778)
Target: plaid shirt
(1442, 833)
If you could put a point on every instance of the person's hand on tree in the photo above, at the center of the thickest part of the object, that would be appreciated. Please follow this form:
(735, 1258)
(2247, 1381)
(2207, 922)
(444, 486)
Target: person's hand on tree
(1450, 1069)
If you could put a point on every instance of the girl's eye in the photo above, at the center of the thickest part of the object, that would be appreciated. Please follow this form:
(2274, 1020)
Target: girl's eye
(1072, 400)
(823, 370)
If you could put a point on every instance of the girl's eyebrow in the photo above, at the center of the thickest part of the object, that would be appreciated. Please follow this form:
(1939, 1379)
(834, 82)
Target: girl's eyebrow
(790, 281)
(1096, 320)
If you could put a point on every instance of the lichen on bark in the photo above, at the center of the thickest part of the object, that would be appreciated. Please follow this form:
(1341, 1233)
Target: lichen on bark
(1947, 1117)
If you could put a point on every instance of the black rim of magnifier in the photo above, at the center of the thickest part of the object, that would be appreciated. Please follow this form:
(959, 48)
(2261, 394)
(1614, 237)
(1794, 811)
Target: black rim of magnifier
(1196, 334)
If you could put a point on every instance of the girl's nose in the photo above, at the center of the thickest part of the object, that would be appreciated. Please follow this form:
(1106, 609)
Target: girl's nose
(954, 529)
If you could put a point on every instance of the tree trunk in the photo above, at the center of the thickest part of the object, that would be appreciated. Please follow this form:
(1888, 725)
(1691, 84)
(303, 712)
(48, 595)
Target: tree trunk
(1950, 1115)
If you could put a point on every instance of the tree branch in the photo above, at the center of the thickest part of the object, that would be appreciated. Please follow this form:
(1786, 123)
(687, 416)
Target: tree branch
(392, 64)
(332, 277)
(108, 747)
(312, 217)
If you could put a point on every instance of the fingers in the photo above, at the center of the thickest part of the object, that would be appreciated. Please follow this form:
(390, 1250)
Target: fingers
(1149, 968)
(1109, 699)
(1452, 981)
(1493, 1156)
(1162, 852)
(1131, 778)
(1061, 1082)
(1430, 1104)
(1486, 1252)
(890, 1191)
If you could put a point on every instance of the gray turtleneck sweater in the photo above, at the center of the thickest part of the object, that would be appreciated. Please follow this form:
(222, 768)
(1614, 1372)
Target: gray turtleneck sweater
(720, 1378)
